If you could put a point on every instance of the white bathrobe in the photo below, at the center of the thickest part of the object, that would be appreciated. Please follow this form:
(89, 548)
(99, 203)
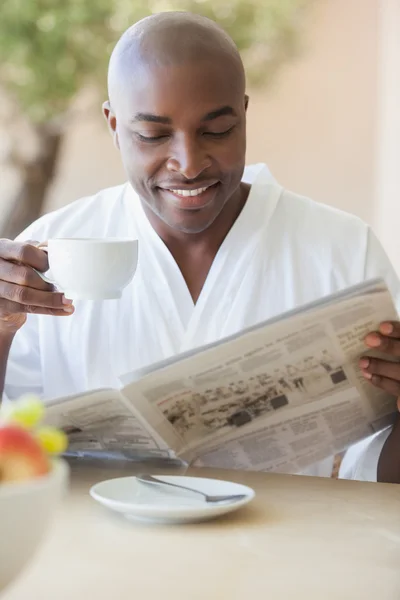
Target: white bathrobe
(283, 251)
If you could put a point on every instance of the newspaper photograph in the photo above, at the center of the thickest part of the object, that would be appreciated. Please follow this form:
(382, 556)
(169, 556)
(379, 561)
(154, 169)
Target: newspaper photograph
(261, 383)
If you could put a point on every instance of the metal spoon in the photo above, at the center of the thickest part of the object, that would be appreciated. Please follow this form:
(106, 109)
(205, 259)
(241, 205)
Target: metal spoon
(149, 479)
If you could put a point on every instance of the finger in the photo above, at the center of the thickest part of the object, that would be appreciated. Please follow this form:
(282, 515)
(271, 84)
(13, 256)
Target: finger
(7, 306)
(390, 328)
(383, 343)
(39, 310)
(385, 383)
(22, 275)
(377, 366)
(27, 296)
(24, 253)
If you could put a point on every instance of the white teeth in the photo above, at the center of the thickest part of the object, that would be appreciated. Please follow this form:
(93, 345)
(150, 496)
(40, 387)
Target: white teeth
(189, 192)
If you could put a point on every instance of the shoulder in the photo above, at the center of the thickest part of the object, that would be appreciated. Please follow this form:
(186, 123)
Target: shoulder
(329, 246)
(88, 216)
(334, 243)
(300, 214)
(320, 221)
(301, 221)
(321, 227)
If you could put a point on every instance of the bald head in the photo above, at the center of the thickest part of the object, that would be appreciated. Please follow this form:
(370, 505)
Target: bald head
(168, 39)
(177, 113)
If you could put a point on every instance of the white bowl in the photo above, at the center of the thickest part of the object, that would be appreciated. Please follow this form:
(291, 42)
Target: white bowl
(26, 509)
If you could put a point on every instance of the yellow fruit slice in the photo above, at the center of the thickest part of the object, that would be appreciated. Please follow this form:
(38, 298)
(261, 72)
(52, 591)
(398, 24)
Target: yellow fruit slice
(52, 440)
(27, 411)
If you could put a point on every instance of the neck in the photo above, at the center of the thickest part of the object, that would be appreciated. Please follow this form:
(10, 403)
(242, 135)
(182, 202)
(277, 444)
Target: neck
(180, 244)
(195, 253)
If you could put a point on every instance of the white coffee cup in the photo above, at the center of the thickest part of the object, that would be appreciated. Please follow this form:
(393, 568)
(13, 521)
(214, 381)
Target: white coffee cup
(89, 268)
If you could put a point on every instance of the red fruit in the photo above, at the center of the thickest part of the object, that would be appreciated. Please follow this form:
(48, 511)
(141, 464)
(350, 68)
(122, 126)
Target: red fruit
(21, 456)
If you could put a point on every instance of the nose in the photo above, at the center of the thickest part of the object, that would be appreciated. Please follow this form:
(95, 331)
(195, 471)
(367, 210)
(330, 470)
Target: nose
(188, 158)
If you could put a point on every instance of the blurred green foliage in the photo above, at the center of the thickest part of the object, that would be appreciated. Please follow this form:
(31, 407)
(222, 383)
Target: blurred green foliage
(50, 48)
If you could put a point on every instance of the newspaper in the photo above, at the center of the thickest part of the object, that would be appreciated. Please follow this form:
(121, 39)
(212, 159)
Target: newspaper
(277, 397)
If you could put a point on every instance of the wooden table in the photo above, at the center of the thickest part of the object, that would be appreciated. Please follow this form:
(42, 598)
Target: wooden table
(302, 539)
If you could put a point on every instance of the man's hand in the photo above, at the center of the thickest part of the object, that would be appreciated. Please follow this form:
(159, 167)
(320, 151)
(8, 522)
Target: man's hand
(383, 373)
(22, 291)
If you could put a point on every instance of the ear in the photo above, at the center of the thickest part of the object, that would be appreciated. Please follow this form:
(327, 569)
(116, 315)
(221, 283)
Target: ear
(246, 102)
(111, 121)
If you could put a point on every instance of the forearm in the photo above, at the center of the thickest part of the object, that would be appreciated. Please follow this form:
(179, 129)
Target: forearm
(5, 345)
(389, 460)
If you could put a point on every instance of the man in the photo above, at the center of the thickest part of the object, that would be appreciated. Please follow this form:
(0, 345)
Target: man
(219, 249)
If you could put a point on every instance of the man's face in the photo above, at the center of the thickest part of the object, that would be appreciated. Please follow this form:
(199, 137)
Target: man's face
(181, 131)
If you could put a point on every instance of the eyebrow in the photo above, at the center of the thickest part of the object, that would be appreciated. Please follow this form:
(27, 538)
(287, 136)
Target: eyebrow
(220, 112)
(152, 118)
(214, 114)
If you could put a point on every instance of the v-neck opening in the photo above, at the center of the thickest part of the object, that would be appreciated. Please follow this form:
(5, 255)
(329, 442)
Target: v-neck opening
(253, 217)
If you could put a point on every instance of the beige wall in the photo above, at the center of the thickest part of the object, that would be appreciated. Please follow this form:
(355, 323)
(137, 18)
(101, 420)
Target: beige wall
(387, 189)
(315, 126)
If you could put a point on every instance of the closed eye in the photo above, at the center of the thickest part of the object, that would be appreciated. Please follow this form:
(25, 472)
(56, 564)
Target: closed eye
(159, 138)
(220, 134)
(155, 138)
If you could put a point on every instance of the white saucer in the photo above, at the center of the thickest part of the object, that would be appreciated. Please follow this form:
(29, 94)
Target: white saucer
(138, 501)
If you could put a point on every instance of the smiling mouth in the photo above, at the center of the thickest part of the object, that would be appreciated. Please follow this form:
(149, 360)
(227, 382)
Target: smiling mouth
(191, 199)
(186, 193)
